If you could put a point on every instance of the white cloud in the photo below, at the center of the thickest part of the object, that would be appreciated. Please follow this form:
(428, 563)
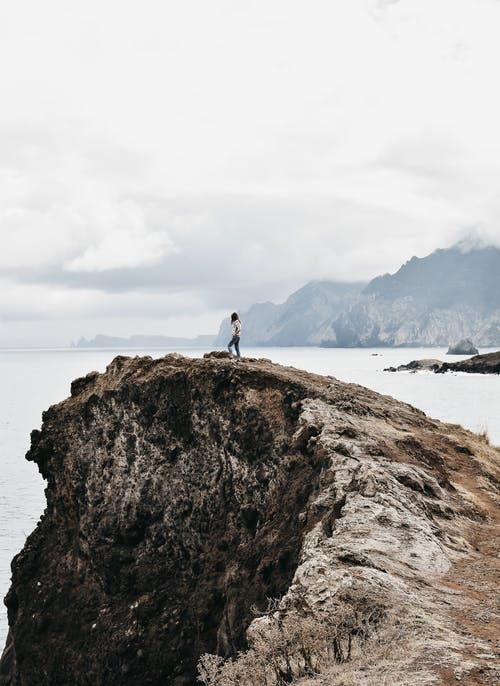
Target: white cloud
(34, 315)
(123, 249)
(37, 302)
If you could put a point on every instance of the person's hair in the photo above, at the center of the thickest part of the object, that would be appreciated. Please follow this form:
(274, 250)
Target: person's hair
(234, 316)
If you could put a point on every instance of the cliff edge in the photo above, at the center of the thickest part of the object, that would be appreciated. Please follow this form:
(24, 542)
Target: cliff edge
(183, 494)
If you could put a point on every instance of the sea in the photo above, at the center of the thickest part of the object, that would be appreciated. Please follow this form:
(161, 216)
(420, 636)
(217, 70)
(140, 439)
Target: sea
(31, 380)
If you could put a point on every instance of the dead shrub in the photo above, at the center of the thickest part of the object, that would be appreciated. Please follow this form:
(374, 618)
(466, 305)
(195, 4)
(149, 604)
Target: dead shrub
(287, 644)
(483, 436)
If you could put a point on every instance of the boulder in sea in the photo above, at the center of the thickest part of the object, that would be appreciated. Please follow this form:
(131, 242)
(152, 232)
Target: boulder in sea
(428, 365)
(463, 347)
(293, 522)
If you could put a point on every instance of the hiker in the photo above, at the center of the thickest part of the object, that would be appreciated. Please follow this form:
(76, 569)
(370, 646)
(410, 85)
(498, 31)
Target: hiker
(236, 329)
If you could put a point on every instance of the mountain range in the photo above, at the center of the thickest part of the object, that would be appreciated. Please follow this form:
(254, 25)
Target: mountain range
(436, 300)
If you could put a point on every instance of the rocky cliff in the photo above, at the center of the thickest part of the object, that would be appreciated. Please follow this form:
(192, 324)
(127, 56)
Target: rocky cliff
(430, 301)
(184, 494)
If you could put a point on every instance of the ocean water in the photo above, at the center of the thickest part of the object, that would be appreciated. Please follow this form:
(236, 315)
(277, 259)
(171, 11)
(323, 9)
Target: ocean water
(34, 379)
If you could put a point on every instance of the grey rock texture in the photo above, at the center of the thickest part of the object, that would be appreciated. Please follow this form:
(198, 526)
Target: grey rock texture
(463, 347)
(183, 492)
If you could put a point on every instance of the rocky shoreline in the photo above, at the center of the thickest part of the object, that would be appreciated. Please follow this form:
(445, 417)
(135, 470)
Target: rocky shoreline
(183, 494)
(479, 364)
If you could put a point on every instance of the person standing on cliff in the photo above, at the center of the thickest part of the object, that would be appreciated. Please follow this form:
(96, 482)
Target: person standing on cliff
(236, 330)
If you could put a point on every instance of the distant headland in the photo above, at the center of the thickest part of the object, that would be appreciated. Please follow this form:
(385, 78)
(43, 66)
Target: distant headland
(143, 342)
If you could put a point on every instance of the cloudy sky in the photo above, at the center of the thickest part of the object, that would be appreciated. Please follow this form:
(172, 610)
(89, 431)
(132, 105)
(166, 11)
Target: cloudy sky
(164, 161)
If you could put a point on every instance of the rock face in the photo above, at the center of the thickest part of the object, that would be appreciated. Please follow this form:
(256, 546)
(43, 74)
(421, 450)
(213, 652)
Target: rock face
(448, 295)
(181, 493)
(463, 347)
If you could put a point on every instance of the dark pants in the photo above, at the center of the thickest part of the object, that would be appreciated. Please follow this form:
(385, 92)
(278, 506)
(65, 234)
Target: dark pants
(235, 340)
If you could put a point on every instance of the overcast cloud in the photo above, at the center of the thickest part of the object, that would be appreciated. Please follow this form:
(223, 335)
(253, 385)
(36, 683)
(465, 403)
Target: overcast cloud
(162, 161)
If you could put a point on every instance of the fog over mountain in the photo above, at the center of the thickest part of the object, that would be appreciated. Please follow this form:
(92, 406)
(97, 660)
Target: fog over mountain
(435, 300)
(303, 319)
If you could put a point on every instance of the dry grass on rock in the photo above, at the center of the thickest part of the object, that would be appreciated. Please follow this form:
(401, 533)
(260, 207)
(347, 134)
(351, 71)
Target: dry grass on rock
(343, 646)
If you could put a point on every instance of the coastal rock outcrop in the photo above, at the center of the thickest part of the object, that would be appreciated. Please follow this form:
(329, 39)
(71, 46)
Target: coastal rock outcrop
(463, 347)
(489, 363)
(426, 365)
(183, 494)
